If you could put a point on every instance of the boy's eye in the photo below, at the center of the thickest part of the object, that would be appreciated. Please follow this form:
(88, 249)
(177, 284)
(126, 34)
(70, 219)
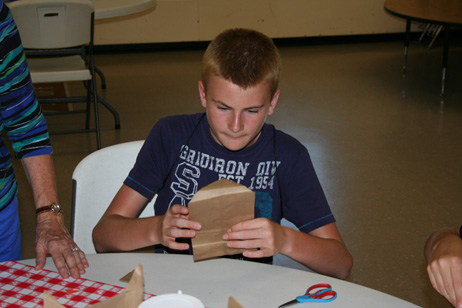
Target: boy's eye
(222, 108)
(252, 110)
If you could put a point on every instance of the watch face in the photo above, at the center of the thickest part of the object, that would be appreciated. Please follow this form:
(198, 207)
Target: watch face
(55, 208)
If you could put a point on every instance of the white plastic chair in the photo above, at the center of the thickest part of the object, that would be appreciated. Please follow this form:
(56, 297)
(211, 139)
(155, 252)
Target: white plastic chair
(57, 36)
(96, 180)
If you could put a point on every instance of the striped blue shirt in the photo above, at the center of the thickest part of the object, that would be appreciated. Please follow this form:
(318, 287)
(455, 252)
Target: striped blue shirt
(21, 119)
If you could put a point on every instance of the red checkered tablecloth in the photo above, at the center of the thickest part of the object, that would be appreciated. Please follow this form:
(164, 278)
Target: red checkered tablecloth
(22, 286)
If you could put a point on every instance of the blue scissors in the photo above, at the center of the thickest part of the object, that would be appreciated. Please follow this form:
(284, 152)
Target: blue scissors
(321, 293)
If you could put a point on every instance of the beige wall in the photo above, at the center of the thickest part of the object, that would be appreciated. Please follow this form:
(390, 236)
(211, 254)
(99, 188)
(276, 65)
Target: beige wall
(201, 20)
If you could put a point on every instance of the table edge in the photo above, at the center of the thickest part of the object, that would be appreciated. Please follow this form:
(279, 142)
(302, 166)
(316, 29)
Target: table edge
(419, 19)
(104, 13)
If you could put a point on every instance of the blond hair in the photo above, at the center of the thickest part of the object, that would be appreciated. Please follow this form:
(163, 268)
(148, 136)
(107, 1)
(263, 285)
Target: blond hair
(245, 57)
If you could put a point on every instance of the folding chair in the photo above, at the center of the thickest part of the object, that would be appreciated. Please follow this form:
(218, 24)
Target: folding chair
(96, 180)
(58, 39)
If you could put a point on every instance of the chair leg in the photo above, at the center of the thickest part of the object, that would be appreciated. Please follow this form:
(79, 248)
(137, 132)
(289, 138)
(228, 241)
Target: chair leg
(107, 105)
(95, 106)
(103, 78)
(92, 94)
(427, 26)
(89, 98)
(435, 35)
(112, 110)
(95, 97)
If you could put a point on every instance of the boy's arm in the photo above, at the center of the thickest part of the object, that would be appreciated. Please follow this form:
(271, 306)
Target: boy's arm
(120, 230)
(323, 250)
(443, 251)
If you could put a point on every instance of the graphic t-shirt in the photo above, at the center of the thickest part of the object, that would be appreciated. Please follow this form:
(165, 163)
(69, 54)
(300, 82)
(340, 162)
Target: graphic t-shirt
(180, 156)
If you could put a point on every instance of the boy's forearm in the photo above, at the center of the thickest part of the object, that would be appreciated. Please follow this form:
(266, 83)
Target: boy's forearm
(327, 256)
(118, 233)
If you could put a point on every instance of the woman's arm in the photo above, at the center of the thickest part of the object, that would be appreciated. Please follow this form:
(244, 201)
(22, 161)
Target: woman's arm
(51, 234)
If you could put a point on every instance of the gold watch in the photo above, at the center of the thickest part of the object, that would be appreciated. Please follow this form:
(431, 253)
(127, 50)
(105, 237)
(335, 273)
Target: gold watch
(54, 207)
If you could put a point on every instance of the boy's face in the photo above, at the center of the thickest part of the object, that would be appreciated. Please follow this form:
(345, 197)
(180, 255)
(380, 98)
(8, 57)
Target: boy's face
(236, 116)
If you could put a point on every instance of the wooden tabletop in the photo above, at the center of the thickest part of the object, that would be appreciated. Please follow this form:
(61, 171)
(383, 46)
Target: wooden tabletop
(445, 12)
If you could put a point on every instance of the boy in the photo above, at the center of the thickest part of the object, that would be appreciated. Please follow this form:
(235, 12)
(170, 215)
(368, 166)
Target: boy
(238, 89)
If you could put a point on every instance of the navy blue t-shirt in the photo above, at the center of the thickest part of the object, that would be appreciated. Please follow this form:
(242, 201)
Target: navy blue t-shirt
(176, 163)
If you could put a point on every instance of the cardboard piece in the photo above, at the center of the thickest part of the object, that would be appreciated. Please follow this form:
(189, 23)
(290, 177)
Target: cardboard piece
(126, 278)
(233, 303)
(131, 297)
(218, 206)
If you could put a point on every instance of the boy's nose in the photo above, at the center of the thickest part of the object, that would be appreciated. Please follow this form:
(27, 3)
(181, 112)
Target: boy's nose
(236, 123)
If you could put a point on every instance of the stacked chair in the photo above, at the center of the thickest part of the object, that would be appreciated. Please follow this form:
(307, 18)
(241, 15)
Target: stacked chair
(57, 36)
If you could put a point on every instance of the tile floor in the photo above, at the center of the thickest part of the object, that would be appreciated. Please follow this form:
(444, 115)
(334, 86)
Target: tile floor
(387, 149)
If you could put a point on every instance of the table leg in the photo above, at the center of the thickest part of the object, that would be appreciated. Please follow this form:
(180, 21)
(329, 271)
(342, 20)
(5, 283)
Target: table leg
(406, 44)
(445, 57)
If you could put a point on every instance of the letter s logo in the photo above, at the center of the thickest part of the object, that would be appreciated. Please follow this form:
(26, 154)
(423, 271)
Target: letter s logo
(185, 186)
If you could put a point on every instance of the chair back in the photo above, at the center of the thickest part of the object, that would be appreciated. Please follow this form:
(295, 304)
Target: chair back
(50, 24)
(96, 180)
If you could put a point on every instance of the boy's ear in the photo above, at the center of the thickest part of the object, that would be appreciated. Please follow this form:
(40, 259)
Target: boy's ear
(273, 102)
(202, 93)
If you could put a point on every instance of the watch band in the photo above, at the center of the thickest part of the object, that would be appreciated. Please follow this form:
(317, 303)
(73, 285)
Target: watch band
(54, 207)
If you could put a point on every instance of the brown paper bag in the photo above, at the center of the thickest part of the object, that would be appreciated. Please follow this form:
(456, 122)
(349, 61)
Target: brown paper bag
(233, 303)
(131, 297)
(218, 206)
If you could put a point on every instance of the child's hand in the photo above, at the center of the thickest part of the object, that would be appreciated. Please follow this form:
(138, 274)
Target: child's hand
(176, 224)
(445, 269)
(260, 233)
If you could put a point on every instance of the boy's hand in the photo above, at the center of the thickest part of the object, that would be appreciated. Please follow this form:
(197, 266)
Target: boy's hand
(176, 224)
(260, 233)
(445, 269)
